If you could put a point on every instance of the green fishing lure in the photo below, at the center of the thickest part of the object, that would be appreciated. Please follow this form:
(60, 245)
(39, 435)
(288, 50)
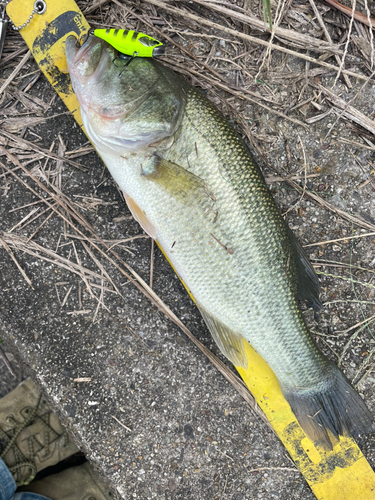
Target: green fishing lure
(131, 43)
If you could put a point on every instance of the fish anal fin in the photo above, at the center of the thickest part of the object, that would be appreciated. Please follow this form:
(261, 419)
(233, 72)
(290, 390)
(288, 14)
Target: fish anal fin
(140, 216)
(308, 282)
(229, 342)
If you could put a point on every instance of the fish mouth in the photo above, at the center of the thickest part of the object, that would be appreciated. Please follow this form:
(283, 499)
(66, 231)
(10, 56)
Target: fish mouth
(86, 57)
(71, 48)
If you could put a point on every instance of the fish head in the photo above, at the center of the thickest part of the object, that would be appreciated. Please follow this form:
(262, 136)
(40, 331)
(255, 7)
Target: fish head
(127, 104)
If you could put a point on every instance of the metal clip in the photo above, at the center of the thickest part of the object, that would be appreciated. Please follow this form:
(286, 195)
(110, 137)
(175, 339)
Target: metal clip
(3, 28)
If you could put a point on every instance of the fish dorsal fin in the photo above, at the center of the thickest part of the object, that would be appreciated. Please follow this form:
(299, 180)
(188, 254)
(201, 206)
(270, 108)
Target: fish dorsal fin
(140, 216)
(308, 282)
(178, 181)
(229, 342)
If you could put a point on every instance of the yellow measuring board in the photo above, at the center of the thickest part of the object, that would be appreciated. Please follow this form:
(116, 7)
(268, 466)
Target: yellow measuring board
(340, 474)
(45, 36)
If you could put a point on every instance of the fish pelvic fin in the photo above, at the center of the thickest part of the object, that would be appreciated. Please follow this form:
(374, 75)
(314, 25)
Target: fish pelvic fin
(308, 282)
(229, 342)
(140, 216)
(331, 410)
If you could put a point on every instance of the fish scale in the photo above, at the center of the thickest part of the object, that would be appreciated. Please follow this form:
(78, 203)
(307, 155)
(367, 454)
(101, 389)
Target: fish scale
(194, 186)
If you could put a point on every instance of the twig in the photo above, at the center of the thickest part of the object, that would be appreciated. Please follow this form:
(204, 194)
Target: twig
(123, 425)
(249, 38)
(371, 24)
(318, 199)
(83, 275)
(349, 12)
(241, 93)
(99, 265)
(15, 72)
(100, 301)
(112, 243)
(347, 42)
(271, 178)
(349, 111)
(229, 250)
(6, 58)
(328, 36)
(273, 468)
(225, 454)
(3, 356)
(305, 176)
(353, 327)
(363, 367)
(358, 144)
(76, 313)
(66, 296)
(25, 206)
(152, 263)
(339, 239)
(368, 285)
(288, 34)
(35, 147)
(334, 263)
(95, 6)
(40, 226)
(32, 248)
(30, 214)
(225, 486)
(267, 55)
(28, 281)
(353, 337)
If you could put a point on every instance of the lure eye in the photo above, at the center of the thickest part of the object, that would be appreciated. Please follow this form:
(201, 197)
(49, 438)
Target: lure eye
(147, 42)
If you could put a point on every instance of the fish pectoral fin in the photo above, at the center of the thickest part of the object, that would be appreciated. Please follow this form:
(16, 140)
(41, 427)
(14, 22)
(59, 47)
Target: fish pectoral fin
(229, 342)
(140, 216)
(308, 282)
(178, 181)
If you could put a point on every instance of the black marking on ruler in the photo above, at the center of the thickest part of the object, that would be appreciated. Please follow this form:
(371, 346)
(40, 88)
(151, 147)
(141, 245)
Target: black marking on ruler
(125, 33)
(134, 37)
(68, 22)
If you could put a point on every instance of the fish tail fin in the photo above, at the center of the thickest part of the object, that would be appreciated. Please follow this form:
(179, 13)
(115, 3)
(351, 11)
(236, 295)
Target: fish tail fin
(330, 410)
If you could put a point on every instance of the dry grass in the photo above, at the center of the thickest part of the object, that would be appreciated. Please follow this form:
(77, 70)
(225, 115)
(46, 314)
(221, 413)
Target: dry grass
(305, 32)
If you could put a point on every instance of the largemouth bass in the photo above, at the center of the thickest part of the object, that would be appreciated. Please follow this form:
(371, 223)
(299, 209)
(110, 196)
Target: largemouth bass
(194, 186)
